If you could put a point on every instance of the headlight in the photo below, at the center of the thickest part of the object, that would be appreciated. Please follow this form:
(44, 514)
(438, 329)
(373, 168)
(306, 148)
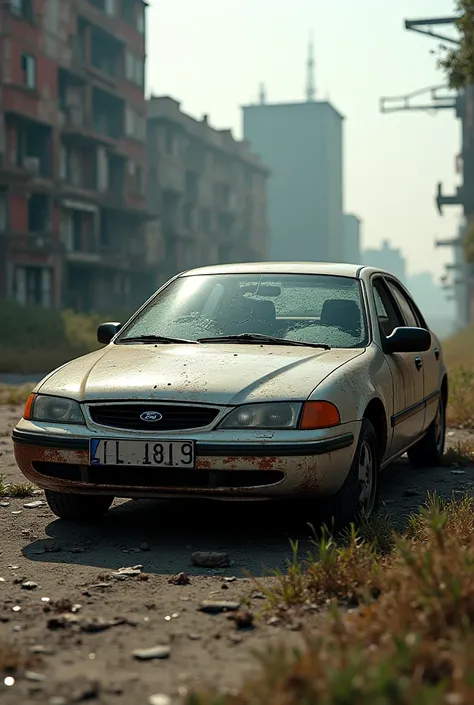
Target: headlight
(40, 407)
(275, 415)
(311, 415)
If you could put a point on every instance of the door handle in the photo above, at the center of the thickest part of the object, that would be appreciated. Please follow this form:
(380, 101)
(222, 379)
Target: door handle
(418, 363)
(436, 352)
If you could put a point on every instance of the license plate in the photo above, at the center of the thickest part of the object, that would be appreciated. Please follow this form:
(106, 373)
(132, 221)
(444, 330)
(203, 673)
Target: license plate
(169, 454)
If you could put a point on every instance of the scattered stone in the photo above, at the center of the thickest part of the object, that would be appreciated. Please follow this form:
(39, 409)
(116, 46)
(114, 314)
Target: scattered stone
(91, 691)
(125, 573)
(458, 472)
(77, 549)
(224, 586)
(98, 624)
(159, 699)
(180, 579)
(143, 577)
(273, 622)
(243, 619)
(155, 652)
(62, 621)
(42, 650)
(34, 505)
(100, 586)
(210, 559)
(259, 596)
(36, 677)
(235, 638)
(194, 637)
(4, 504)
(144, 547)
(218, 606)
(230, 579)
(29, 585)
(16, 512)
(57, 700)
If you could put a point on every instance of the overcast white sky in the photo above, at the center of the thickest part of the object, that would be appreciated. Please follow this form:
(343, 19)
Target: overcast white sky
(212, 54)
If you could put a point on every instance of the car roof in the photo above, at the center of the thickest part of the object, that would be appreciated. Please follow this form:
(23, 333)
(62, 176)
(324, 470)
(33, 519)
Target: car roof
(334, 268)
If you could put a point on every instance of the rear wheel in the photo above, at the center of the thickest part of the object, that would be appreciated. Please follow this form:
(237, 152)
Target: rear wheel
(429, 451)
(78, 507)
(357, 499)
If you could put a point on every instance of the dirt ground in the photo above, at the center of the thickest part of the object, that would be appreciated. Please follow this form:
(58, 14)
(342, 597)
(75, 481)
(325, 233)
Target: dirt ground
(74, 662)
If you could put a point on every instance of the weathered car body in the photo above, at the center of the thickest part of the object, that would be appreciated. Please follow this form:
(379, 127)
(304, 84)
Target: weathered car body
(381, 397)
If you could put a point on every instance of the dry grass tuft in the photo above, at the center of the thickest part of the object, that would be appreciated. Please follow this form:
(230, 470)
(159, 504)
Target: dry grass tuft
(409, 642)
(20, 490)
(460, 455)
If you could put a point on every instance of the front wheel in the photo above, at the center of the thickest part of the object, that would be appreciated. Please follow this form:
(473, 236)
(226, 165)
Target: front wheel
(357, 499)
(429, 451)
(78, 507)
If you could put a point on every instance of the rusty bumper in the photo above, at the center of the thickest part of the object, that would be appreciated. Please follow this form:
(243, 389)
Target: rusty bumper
(222, 470)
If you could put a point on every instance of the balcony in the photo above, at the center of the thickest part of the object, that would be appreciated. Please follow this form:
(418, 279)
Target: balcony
(75, 126)
(27, 244)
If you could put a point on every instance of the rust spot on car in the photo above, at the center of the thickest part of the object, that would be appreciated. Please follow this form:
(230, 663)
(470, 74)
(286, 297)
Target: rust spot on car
(267, 462)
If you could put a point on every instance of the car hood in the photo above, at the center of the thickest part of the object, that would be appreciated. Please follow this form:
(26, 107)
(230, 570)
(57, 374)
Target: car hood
(215, 373)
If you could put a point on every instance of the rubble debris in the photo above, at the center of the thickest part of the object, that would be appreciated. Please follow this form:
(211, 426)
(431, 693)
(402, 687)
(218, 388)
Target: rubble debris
(243, 619)
(180, 579)
(210, 559)
(34, 505)
(155, 652)
(125, 573)
(218, 606)
(29, 585)
(159, 699)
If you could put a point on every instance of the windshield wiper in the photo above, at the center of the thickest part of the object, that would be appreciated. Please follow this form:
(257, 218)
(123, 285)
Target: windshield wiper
(155, 339)
(260, 338)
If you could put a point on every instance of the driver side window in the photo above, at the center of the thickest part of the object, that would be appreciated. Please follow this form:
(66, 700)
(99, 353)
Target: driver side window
(388, 316)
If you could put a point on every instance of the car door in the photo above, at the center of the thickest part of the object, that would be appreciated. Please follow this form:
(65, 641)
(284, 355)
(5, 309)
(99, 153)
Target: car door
(408, 409)
(431, 359)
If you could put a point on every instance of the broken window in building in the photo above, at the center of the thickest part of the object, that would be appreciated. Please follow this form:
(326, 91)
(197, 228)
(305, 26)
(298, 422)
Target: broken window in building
(39, 207)
(33, 285)
(106, 52)
(107, 114)
(22, 8)
(28, 70)
(108, 7)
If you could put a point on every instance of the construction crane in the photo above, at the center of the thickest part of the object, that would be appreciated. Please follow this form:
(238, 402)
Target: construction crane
(441, 97)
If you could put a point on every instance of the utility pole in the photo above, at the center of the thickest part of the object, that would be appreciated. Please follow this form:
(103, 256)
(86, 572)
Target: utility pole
(441, 97)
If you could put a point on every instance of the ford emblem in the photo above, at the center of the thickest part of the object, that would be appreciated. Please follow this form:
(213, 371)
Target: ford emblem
(151, 416)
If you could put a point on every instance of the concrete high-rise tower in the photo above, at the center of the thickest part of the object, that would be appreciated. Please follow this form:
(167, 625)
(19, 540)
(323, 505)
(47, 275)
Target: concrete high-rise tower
(302, 144)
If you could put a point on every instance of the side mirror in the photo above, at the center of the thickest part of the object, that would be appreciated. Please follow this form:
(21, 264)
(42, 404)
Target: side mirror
(106, 331)
(408, 340)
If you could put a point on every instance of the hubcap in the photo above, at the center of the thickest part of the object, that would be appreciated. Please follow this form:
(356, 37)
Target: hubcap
(440, 428)
(367, 480)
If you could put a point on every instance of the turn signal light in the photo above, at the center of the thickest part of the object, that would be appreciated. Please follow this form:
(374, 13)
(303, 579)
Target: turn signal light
(319, 414)
(28, 407)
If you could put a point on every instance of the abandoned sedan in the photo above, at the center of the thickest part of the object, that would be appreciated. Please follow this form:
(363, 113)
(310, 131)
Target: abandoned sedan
(246, 381)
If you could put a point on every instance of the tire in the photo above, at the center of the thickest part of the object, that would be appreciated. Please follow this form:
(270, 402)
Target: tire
(429, 451)
(78, 507)
(357, 500)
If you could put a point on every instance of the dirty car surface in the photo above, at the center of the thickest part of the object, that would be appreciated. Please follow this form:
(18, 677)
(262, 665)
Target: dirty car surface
(257, 381)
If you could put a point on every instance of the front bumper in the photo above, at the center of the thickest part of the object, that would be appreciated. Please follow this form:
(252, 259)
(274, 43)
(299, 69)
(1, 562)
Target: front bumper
(259, 468)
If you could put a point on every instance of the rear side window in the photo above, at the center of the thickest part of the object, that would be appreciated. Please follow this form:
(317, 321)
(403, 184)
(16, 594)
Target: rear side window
(409, 314)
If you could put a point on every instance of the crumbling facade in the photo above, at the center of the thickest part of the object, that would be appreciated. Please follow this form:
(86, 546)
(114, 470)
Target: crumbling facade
(207, 190)
(73, 214)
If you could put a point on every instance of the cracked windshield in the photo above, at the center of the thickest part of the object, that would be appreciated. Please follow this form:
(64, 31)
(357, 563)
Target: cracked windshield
(313, 309)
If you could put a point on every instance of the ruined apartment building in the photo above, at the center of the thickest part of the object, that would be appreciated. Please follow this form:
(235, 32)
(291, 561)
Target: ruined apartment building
(207, 189)
(72, 153)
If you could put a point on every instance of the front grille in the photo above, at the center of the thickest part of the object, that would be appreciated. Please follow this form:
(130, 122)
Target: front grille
(174, 418)
(173, 479)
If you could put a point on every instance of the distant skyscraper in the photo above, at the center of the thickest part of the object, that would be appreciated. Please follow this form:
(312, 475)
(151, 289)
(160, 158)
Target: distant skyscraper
(351, 241)
(301, 143)
(386, 257)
